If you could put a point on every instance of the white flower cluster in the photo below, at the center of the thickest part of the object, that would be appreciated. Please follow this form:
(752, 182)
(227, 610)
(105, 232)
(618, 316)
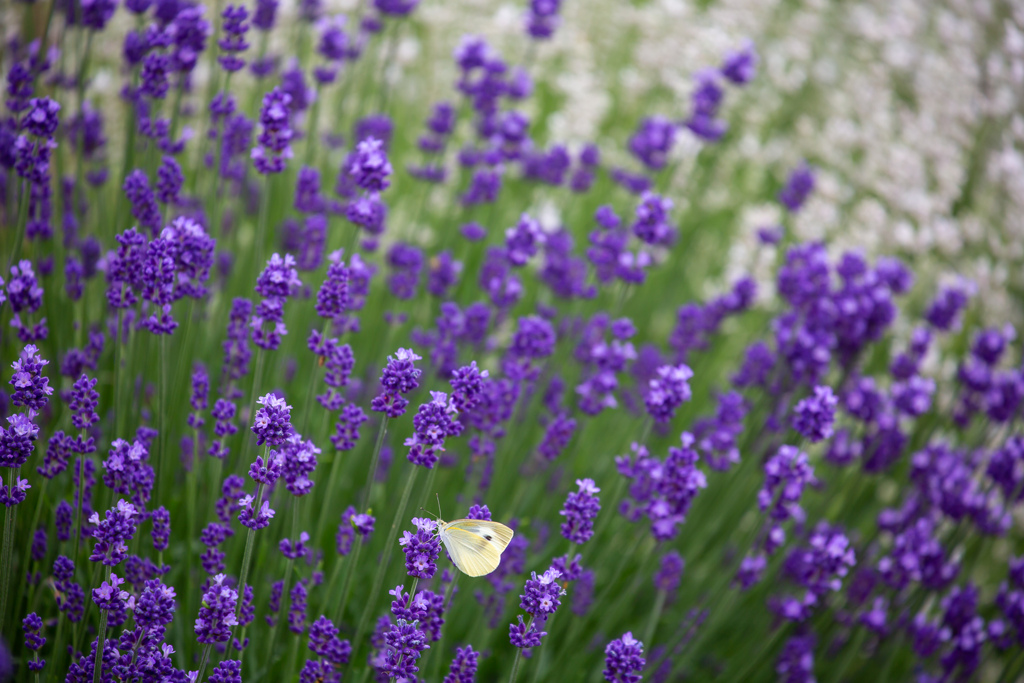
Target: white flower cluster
(909, 110)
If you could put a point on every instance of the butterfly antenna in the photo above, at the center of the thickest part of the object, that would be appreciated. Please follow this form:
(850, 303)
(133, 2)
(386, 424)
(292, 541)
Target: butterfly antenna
(438, 495)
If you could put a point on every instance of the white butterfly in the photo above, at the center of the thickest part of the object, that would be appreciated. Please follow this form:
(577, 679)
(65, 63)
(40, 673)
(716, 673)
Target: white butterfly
(475, 545)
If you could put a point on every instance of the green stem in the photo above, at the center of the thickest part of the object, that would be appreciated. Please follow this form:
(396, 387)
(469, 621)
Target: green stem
(127, 160)
(164, 410)
(43, 40)
(385, 88)
(40, 497)
(438, 656)
(58, 643)
(190, 514)
(353, 564)
(519, 655)
(891, 659)
(312, 384)
(214, 81)
(10, 519)
(381, 432)
(261, 226)
(1008, 674)
(852, 650)
(450, 591)
(215, 189)
(250, 542)
(721, 607)
(78, 509)
(100, 645)
(293, 656)
(311, 134)
(285, 594)
(19, 230)
(652, 623)
(332, 486)
(204, 661)
(243, 434)
(382, 568)
(79, 151)
(254, 97)
(754, 662)
(176, 112)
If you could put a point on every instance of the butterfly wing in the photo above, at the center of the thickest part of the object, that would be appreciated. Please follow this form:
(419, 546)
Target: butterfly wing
(475, 545)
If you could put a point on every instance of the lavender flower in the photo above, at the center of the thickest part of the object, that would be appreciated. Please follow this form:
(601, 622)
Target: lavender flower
(31, 388)
(652, 142)
(217, 612)
(399, 377)
(786, 474)
(557, 435)
(368, 212)
(405, 643)
(740, 66)
(525, 636)
(523, 240)
(796, 661)
(265, 14)
(798, 187)
(32, 626)
(279, 279)
(252, 517)
(819, 568)
(127, 471)
(670, 572)
(199, 398)
(662, 491)
(272, 424)
(913, 397)
(396, 8)
(542, 596)
(815, 414)
(324, 641)
(707, 97)
(169, 181)
(161, 528)
(188, 32)
(223, 412)
(467, 384)
(463, 666)
(71, 598)
(274, 141)
(944, 311)
(235, 25)
(580, 510)
(112, 532)
(143, 201)
(433, 423)
(542, 18)
(421, 549)
(109, 597)
(623, 659)
(84, 400)
(669, 390)
(370, 167)
(346, 429)
(228, 671)
(406, 262)
(297, 608)
(299, 461)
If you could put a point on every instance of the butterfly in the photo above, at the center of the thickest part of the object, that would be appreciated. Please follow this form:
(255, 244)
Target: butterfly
(475, 545)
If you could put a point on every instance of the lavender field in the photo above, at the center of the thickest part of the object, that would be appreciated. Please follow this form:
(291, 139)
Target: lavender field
(713, 304)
